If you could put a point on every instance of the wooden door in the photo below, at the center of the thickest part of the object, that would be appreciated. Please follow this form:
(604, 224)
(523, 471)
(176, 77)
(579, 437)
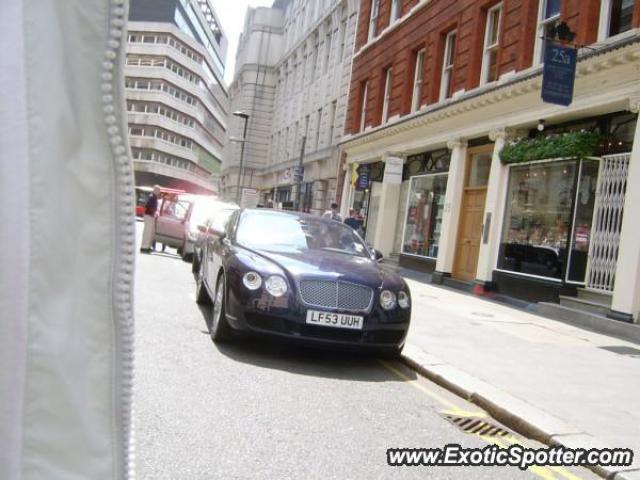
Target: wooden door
(471, 213)
(470, 233)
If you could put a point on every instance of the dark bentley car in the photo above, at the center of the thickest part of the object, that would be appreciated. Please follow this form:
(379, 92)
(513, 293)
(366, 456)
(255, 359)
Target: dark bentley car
(302, 277)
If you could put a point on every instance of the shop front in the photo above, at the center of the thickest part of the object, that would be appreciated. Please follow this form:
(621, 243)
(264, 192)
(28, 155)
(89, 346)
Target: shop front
(563, 216)
(425, 183)
(366, 182)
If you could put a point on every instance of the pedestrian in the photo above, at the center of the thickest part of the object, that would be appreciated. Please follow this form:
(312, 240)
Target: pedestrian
(150, 211)
(353, 220)
(333, 213)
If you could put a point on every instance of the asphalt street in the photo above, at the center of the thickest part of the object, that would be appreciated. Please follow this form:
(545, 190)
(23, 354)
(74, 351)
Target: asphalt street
(259, 409)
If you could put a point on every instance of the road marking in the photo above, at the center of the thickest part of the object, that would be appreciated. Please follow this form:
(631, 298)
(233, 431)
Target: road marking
(546, 473)
(559, 470)
(453, 409)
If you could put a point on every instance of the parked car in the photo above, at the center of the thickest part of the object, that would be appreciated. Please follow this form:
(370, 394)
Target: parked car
(142, 195)
(205, 215)
(173, 220)
(301, 277)
(179, 217)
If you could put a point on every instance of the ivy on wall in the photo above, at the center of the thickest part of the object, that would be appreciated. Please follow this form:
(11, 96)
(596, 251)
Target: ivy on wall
(565, 145)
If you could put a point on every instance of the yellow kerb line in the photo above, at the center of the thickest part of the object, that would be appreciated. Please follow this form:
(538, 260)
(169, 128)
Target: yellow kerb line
(543, 472)
(559, 470)
(453, 408)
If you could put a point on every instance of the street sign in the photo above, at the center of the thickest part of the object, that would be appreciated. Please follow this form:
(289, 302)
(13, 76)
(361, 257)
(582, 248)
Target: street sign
(298, 174)
(393, 170)
(249, 198)
(559, 74)
(362, 182)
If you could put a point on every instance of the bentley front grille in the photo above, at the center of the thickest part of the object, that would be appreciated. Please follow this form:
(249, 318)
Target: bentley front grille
(335, 294)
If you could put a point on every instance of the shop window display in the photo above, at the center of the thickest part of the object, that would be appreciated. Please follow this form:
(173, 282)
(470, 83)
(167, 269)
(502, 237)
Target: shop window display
(425, 206)
(538, 218)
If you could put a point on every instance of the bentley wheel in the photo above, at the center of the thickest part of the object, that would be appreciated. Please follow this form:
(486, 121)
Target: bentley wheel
(202, 296)
(220, 329)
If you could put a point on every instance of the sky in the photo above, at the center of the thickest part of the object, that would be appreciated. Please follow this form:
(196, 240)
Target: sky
(231, 14)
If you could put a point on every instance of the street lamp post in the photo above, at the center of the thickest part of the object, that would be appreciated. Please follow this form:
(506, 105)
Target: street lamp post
(245, 116)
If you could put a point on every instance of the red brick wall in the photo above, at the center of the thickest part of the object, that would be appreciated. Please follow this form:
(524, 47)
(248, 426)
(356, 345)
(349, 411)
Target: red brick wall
(427, 29)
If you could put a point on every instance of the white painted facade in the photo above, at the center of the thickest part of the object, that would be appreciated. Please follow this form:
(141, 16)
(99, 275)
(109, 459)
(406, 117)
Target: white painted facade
(295, 84)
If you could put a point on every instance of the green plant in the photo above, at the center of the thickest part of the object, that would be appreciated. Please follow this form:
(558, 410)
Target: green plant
(565, 145)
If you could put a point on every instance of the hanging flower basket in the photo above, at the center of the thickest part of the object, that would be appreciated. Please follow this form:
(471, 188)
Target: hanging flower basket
(565, 145)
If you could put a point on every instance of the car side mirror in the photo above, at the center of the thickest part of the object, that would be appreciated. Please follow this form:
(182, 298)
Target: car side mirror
(377, 255)
(202, 228)
(217, 233)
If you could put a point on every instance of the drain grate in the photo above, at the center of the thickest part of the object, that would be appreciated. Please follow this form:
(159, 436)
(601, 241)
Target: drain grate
(623, 350)
(477, 426)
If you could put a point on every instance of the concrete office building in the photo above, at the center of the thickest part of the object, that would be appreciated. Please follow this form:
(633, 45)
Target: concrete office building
(292, 79)
(176, 99)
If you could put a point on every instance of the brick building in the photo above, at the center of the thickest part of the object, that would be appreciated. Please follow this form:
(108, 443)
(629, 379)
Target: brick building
(440, 88)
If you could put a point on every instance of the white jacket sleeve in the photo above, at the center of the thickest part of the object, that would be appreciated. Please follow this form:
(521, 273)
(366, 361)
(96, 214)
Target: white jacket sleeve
(66, 242)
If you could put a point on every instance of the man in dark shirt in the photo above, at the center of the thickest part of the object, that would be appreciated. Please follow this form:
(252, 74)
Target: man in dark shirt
(150, 213)
(353, 221)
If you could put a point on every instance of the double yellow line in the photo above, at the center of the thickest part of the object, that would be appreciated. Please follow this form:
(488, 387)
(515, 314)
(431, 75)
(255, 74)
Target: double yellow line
(547, 473)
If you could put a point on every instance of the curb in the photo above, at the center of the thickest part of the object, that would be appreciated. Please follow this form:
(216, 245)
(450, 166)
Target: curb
(520, 416)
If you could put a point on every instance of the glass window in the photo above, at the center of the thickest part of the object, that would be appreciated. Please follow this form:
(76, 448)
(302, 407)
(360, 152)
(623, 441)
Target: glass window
(537, 218)
(479, 170)
(584, 207)
(387, 95)
(489, 71)
(549, 19)
(424, 215)
(363, 106)
(375, 7)
(417, 81)
(447, 66)
(621, 16)
(395, 10)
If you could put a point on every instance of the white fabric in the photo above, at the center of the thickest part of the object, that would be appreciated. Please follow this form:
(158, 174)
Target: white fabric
(58, 407)
(14, 237)
(148, 234)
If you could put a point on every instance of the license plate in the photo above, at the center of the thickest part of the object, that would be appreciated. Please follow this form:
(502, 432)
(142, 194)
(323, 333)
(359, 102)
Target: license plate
(337, 320)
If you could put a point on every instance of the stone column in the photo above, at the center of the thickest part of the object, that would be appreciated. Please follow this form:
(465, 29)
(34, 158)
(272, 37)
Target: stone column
(625, 304)
(451, 213)
(346, 193)
(387, 215)
(493, 212)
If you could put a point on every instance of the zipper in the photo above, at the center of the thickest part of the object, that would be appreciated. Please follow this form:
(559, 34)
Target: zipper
(113, 104)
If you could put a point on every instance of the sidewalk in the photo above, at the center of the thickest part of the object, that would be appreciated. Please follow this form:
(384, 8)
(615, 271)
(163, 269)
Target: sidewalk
(557, 381)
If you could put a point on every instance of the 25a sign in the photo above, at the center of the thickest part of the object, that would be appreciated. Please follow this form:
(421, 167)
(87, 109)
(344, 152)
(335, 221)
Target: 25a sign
(559, 74)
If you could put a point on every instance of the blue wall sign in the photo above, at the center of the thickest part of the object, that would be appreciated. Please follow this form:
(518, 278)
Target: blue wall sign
(363, 177)
(559, 74)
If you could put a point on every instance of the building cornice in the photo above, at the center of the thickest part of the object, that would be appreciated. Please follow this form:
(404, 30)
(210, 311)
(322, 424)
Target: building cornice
(523, 83)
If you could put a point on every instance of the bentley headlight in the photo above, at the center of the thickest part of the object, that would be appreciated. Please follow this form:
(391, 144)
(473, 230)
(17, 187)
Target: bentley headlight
(387, 299)
(276, 285)
(252, 280)
(403, 299)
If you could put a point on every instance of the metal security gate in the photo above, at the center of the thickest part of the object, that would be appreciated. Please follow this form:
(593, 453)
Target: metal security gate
(607, 222)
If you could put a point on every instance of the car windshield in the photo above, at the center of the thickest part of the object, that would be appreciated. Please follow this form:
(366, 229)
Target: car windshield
(205, 209)
(280, 232)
